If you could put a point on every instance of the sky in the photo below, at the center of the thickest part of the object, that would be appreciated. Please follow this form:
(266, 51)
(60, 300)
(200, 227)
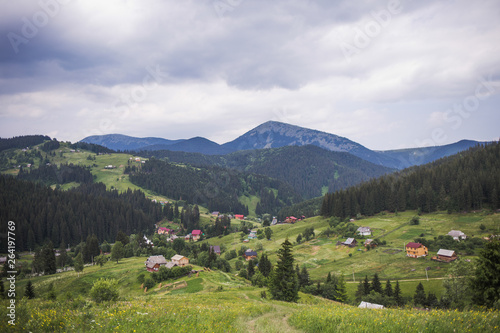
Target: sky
(386, 74)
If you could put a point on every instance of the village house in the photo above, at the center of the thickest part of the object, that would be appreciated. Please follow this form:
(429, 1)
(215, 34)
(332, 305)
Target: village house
(291, 219)
(457, 235)
(215, 249)
(351, 242)
(446, 255)
(163, 231)
(364, 231)
(250, 254)
(215, 213)
(239, 216)
(370, 242)
(196, 234)
(154, 263)
(252, 235)
(180, 260)
(416, 250)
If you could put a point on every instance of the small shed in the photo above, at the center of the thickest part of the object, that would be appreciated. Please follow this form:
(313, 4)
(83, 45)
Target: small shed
(366, 305)
(351, 242)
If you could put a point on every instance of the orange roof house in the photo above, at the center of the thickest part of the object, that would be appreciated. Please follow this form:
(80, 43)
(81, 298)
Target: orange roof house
(416, 250)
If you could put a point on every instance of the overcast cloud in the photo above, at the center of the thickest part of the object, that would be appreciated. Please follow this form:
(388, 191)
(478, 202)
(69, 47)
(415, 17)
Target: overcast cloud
(386, 74)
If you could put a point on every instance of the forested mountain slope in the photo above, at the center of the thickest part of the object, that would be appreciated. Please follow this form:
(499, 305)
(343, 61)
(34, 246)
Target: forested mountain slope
(467, 181)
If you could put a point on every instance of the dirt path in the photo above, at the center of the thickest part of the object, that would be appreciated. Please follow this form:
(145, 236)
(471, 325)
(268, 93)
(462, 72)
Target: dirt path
(276, 321)
(409, 280)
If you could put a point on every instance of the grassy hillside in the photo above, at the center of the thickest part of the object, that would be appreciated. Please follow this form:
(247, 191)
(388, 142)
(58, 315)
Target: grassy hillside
(211, 302)
(321, 255)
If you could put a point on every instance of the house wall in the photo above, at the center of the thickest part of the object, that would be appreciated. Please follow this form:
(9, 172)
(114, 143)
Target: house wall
(416, 252)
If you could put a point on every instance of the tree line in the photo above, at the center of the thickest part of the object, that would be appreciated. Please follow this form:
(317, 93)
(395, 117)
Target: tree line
(63, 217)
(22, 141)
(214, 187)
(52, 174)
(467, 181)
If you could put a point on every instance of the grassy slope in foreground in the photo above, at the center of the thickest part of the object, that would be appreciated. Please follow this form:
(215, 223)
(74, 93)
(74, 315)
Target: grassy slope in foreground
(236, 311)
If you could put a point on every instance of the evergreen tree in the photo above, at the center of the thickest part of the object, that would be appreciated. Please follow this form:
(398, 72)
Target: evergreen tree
(121, 237)
(283, 283)
(265, 266)
(419, 298)
(78, 263)
(250, 269)
(388, 289)
(29, 292)
(342, 290)
(304, 277)
(299, 238)
(360, 292)
(397, 295)
(329, 278)
(376, 285)
(2, 290)
(486, 281)
(117, 251)
(91, 249)
(51, 293)
(366, 286)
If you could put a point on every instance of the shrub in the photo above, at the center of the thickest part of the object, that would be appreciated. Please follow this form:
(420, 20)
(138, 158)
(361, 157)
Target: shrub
(149, 283)
(104, 290)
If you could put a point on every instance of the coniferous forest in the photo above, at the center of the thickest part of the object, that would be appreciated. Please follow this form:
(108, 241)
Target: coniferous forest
(68, 217)
(214, 187)
(467, 181)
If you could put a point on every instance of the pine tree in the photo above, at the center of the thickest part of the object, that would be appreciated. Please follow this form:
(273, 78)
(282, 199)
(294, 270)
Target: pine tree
(250, 269)
(29, 292)
(2, 290)
(360, 292)
(486, 281)
(342, 290)
(376, 285)
(419, 298)
(304, 277)
(397, 295)
(366, 286)
(284, 284)
(388, 289)
(265, 266)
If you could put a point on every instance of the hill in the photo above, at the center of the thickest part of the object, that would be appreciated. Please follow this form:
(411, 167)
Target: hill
(419, 156)
(463, 182)
(274, 134)
(310, 170)
(124, 142)
(212, 301)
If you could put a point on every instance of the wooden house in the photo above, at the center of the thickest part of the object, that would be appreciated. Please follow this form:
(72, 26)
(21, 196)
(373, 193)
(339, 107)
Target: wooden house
(239, 216)
(446, 255)
(154, 263)
(351, 242)
(416, 250)
(369, 242)
(163, 231)
(250, 254)
(180, 260)
(196, 234)
(215, 249)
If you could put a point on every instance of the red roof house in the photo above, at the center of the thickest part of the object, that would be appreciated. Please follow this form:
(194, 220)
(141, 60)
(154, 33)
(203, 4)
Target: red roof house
(239, 217)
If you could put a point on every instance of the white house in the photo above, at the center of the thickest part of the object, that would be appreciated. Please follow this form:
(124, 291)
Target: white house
(364, 231)
(457, 235)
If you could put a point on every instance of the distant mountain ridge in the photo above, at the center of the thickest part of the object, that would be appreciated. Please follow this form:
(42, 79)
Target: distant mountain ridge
(273, 134)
